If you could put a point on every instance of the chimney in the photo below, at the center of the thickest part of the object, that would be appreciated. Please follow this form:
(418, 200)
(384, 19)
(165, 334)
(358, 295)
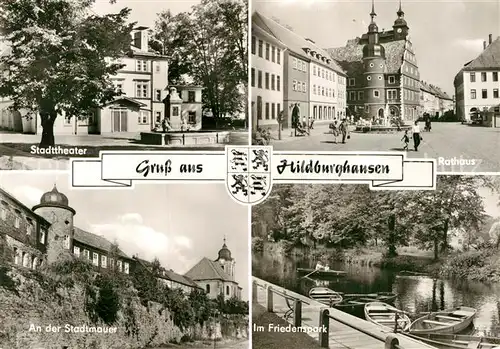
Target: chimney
(141, 38)
(490, 38)
(484, 45)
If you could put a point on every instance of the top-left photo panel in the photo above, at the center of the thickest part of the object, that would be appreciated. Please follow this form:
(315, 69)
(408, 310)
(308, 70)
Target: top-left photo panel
(84, 76)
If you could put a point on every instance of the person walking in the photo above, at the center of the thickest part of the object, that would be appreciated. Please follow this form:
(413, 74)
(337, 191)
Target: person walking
(343, 130)
(416, 135)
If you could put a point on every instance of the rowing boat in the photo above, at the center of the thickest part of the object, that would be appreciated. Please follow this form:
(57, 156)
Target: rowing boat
(386, 315)
(453, 341)
(320, 272)
(446, 321)
(325, 295)
(386, 297)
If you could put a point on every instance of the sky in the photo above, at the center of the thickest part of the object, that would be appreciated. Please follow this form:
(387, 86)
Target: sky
(445, 34)
(144, 12)
(178, 223)
(491, 201)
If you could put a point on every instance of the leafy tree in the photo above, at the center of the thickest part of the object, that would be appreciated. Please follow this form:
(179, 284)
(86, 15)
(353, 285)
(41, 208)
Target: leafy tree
(108, 303)
(61, 58)
(209, 44)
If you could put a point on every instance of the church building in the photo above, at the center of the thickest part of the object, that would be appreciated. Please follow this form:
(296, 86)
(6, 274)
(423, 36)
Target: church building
(216, 277)
(384, 81)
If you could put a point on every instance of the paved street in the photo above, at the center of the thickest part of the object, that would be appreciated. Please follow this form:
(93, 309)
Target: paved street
(240, 344)
(445, 142)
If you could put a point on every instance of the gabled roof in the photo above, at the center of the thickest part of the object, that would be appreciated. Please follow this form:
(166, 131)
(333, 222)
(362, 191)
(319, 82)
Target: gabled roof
(26, 208)
(168, 274)
(294, 42)
(127, 100)
(208, 270)
(488, 59)
(95, 241)
(434, 90)
(350, 57)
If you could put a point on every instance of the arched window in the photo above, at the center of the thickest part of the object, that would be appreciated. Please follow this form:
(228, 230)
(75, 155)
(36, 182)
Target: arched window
(26, 260)
(207, 288)
(33, 263)
(16, 255)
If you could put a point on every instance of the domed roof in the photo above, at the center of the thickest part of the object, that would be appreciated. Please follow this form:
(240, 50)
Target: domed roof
(400, 22)
(54, 197)
(224, 252)
(373, 28)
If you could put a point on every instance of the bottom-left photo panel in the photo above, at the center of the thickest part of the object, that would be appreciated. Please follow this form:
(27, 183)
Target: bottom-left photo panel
(154, 266)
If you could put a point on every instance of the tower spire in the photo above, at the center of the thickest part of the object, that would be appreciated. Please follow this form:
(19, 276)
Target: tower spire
(400, 11)
(373, 14)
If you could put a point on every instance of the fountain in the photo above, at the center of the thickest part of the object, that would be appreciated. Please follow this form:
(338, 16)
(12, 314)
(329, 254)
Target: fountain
(177, 128)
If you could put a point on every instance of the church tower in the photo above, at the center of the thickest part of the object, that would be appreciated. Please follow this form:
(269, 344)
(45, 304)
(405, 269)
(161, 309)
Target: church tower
(54, 207)
(374, 69)
(400, 26)
(225, 260)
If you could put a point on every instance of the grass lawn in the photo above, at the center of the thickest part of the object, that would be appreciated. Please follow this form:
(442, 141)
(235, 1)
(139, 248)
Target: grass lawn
(277, 340)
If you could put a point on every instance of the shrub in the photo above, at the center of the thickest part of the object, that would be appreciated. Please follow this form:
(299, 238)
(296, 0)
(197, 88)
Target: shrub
(257, 244)
(108, 303)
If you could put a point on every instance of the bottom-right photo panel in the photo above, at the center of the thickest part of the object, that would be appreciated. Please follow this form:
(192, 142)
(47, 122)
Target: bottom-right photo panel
(343, 266)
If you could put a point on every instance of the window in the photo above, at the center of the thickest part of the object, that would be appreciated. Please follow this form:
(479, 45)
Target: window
(104, 261)
(391, 94)
(76, 251)
(495, 93)
(158, 95)
(259, 79)
(352, 81)
(141, 89)
(158, 67)
(191, 96)
(273, 54)
(278, 83)
(67, 120)
(143, 117)
(86, 254)
(95, 258)
(4, 213)
(314, 70)
(260, 48)
(472, 77)
(119, 265)
(368, 78)
(29, 227)
(158, 116)
(333, 77)
(380, 77)
(376, 93)
(372, 65)
(267, 110)
(119, 87)
(254, 45)
(322, 91)
(43, 232)
(207, 288)
(268, 49)
(141, 65)
(126, 267)
(483, 76)
(192, 117)
(361, 95)
(252, 77)
(66, 242)
(304, 87)
(352, 95)
(294, 63)
(267, 81)
(272, 82)
(495, 76)
(273, 111)
(17, 221)
(227, 290)
(294, 85)
(484, 93)
(473, 94)
(278, 56)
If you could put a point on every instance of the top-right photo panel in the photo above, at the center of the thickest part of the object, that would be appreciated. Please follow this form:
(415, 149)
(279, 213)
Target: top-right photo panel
(416, 77)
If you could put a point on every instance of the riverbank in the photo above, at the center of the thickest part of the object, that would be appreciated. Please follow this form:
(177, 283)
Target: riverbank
(482, 265)
(277, 340)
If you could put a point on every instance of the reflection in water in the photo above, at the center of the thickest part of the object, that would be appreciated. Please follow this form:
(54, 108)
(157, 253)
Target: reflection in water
(415, 293)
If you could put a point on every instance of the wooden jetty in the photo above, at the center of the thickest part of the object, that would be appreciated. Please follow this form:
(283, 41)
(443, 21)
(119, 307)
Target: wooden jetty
(343, 330)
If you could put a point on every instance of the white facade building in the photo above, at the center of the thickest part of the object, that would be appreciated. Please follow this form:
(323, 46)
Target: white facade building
(266, 78)
(477, 87)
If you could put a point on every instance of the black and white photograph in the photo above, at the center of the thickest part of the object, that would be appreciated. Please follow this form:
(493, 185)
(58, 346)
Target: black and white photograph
(84, 76)
(160, 266)
(344, 266)
(416, 77)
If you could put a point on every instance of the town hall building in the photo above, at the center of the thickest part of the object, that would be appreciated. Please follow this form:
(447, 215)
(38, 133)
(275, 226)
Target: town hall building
(383, 77)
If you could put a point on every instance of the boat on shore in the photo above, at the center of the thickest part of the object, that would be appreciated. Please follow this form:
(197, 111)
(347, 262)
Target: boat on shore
(442, 322)
(453, 341)
(325, 295)
(386, 315)
(320, 272)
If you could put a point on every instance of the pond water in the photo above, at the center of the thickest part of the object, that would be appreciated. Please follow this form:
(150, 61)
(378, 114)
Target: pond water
(414, 293)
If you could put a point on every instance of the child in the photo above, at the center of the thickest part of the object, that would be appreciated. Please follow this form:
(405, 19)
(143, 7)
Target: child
(406, 139)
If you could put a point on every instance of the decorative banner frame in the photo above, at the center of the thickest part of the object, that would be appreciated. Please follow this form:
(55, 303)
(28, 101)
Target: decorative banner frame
(250, 171)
